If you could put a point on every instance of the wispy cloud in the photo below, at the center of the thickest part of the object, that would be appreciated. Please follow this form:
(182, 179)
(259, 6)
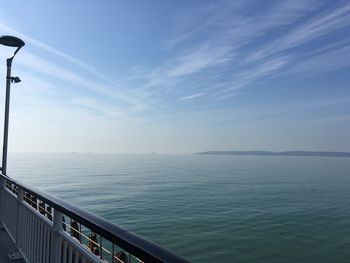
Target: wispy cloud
(217, 49)
(223, 37)
(181, 68)
(322, 63)
(108, 88)
(252, 76)
(317, 27)
(39, 65)
(235, 22)
(193, 96)
(197, 60)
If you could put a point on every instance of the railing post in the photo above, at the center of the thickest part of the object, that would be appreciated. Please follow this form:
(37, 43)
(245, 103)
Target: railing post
(2, 188)
(19, 203)
(55, 249)
(16, 255)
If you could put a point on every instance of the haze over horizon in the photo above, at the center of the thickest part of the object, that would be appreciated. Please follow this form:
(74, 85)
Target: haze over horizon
(178, 77)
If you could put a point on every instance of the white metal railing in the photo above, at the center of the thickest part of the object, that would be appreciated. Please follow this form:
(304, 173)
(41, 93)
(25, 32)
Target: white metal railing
(47, 229)
(37, 238)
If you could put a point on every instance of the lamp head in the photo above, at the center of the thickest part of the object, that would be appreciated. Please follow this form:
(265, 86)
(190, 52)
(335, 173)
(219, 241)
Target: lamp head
(16, 79)
(11, 41)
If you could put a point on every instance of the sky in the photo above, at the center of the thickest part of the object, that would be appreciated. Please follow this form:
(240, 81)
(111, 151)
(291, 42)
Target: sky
(178, 76)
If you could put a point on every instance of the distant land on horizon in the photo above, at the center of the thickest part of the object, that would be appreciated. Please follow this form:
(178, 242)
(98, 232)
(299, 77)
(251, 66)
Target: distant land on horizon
(285, 153)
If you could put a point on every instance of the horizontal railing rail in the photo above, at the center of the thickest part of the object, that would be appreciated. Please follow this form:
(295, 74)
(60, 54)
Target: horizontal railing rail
(52, 208)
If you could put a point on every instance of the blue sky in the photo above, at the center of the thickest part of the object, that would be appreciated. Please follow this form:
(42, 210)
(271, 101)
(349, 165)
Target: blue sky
(179, 76)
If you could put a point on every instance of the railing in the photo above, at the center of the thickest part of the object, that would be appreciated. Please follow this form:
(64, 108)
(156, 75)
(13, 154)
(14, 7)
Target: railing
(48, 229)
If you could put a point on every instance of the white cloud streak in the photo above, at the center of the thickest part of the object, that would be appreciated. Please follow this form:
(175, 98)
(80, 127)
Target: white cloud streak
(198, 60)
(252, 76)
(317, 27)
(49, 68)
(218, 32)
(193, 96)
(322, 63)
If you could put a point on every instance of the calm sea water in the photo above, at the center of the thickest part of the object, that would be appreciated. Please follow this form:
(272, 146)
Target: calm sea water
(209, 208)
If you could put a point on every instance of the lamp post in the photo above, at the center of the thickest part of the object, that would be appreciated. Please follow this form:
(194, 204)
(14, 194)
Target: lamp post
(18, 43)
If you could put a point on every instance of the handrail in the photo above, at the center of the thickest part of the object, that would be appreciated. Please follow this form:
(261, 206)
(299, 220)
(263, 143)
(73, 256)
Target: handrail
(141, 248)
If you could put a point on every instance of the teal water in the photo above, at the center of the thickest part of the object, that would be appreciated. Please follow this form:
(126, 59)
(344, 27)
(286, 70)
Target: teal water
(209, 208)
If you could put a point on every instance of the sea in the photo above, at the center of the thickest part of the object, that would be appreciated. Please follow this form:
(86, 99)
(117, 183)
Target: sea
(209, 208)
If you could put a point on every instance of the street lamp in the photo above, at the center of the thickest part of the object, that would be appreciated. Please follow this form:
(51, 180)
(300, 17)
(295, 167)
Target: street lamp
(18, 43)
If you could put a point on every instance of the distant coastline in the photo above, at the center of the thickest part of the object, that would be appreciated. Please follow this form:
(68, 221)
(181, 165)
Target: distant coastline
(286, 153)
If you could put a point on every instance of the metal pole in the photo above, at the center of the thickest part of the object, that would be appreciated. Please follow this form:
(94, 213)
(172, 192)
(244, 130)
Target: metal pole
(6, 119)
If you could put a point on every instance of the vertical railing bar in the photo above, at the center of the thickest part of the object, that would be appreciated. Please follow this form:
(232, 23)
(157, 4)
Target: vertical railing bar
(21, 224)
(44, 244)
(2, 196)
(25, 231)
(32, 237)
(35, 228)
(48, 244)
(13, 220)
(23, 228)
(21, 232)
(64, 257)
(20, 227)
(70, 254)
(76, 256)
(101, 251)
(31, 240)
(81, 239)
(28, 229)
(29, 236)
(38, 239)
(37, 251)
(42, 241)
(29, 232)
(112, 252)
(60, 241)
(36, 245)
